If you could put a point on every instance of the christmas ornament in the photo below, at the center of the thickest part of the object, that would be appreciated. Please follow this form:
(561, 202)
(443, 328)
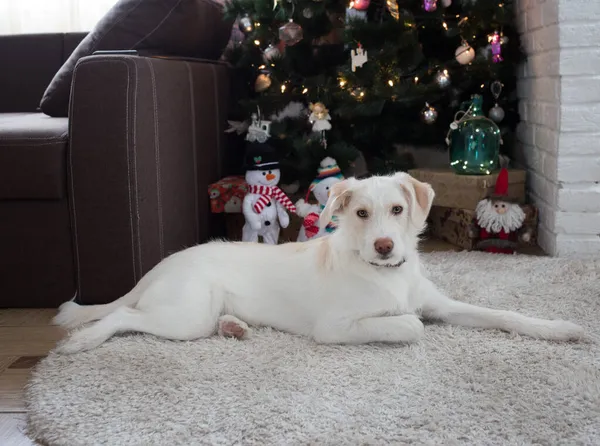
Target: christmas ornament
(359, 57)
(429, 5)
(263, 81)
(496, 113)
(496, 45)
(290, 33)
(271, 53)
(328, 174)
(307, 13)
(237, 127)
(392, 7)
(442, 79)
(464, 54)
(246, 25)
(319, 118)
(499, 221)
(429, 114)
(360, 5)
(474, 141)
(353, 14)
(446, 3)
(259, 129)
(265, 204)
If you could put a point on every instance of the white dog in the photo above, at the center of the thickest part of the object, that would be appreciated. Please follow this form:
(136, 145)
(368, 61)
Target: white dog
(363, 283)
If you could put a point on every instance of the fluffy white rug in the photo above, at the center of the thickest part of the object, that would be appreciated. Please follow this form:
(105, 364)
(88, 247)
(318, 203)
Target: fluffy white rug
(457, 386)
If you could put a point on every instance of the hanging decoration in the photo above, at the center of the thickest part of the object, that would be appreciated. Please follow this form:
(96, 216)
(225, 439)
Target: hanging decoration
(464, 54)
(270, 53)
(259, 129)
(246, 25)
(429, 114)
(429, 5)
(360, 5)
(359, 57)
(442, 79)
(496, 44)
(319, 118)
(263, 82)
(291, 33)
(496, 113)
(392, 7)
(446, 3)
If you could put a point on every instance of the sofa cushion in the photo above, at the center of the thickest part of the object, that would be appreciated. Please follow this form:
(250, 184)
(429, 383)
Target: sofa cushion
(194, 28)
(33, 150)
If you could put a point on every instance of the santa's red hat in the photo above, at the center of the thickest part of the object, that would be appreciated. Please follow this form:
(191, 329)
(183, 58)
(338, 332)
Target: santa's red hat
(501, 188)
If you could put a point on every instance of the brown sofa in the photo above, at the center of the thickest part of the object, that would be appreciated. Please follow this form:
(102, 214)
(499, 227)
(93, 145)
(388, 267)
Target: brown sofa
(90, 203)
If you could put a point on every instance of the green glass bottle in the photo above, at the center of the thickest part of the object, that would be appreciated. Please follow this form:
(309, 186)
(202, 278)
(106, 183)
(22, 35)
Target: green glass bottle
(475, 142)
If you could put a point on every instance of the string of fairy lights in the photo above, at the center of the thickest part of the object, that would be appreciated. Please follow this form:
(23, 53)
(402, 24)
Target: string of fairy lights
(389, 83)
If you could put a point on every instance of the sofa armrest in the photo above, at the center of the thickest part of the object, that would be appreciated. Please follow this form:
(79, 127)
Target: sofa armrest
(145, 142)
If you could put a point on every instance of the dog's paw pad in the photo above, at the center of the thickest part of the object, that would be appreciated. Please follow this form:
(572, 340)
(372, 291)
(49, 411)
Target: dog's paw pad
(232, 327)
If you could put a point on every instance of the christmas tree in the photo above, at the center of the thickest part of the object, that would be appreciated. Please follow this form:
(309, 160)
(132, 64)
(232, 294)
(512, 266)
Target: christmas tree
(341, 79)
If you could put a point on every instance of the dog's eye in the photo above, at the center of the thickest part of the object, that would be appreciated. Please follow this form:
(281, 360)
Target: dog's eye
(264, 173)
(362, 213)
(397, 210)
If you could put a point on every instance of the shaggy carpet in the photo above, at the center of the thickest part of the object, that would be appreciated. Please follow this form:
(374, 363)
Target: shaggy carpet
(456, 386)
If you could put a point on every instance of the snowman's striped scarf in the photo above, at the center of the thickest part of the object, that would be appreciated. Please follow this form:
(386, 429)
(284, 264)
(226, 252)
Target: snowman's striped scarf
(268, 192)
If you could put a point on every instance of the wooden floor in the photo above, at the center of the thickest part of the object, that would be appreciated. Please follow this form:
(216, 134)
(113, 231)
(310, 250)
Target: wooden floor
(27, 336)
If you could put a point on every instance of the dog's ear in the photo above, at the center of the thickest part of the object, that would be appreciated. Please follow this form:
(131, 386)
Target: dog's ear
(420, 197)
(339, 197)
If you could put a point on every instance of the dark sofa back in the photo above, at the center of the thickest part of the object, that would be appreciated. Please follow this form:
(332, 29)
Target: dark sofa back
(29, 62)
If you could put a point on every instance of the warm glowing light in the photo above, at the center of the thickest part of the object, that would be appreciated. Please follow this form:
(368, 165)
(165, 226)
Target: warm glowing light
(362, 94)
(391, 83)
(342, 83)
(283, 88)
(416, 79)
(445, 25)
(257, 42)
(262, 67)
(257, 24)
(305, 91)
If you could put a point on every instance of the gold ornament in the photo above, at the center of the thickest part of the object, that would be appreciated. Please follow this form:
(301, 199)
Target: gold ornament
(263, 81)
(319, 110)
(392, 6)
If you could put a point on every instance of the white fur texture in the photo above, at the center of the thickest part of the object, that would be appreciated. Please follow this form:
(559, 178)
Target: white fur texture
(336, 289)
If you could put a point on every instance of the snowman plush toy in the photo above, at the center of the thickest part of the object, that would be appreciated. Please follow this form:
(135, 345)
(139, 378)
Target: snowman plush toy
(329, 173)
(265, 205)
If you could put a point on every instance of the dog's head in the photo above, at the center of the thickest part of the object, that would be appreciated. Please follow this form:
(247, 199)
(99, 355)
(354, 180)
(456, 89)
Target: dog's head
(380, 217)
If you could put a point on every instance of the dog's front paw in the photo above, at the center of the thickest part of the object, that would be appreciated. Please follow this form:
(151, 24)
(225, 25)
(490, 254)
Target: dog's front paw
(565, 331)
(414, 327)
(232, 327)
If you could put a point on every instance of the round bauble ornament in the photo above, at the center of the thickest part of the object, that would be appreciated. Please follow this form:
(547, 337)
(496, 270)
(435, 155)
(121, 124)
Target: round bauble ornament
(429, 5)
(446, 3)
(271, 53)
(442, 79)
(291, 33)
(360, 5)
(464, 54)
(246, 25)
(429, 114)
(496, 113)
(307, 13)
(263, 81)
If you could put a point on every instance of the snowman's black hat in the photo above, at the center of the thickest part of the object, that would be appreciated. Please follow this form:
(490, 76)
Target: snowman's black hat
(261, 157)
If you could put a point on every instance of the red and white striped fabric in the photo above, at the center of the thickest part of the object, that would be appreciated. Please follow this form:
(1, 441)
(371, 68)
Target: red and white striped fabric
(268, 192)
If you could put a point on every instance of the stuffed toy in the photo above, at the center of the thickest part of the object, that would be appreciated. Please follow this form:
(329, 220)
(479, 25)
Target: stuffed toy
(264, 206)
(328, 174)
(498, 224)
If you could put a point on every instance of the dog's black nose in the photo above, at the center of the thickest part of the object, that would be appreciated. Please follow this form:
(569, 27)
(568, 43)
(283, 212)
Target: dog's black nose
(384, 245)
(267, 223)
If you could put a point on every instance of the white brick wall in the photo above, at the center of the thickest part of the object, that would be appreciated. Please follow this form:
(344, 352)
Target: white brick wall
(559, 136)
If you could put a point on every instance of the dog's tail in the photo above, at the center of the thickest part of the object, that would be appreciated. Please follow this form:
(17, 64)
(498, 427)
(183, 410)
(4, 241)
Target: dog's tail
(71, 314)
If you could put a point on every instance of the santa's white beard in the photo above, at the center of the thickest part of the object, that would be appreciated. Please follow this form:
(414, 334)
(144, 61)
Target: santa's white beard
(492, 221)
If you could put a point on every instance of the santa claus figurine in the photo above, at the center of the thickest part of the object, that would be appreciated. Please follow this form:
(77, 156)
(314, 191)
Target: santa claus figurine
(498, 225)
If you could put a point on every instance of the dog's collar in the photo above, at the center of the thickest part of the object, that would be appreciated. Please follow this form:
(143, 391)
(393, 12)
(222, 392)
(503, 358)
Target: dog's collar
(388, 265)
